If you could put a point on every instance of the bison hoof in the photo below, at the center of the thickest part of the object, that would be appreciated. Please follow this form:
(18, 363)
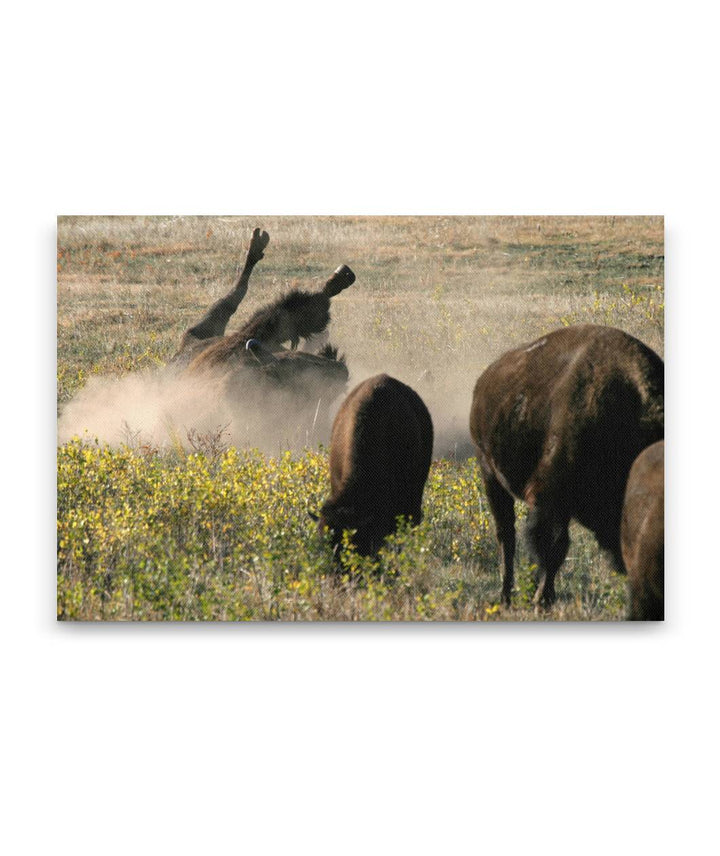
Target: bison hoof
(341, 279)
(258, 242)
(544, 601)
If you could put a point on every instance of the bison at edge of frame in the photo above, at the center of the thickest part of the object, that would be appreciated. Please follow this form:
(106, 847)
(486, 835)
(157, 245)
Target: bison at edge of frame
(557, 423)
(643, 535)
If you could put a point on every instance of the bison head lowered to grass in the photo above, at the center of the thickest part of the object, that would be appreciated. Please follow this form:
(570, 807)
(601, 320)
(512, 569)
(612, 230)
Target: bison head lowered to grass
(252, 366)
(557, 423)
(380, 452)
(643, 534)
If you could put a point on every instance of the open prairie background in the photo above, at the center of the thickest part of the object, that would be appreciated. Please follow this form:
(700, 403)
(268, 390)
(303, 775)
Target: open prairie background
(171, 526)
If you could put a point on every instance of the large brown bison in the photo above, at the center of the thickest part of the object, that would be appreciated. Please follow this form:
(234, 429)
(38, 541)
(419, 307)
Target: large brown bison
(557, 423)
(380, 454)
(643, 534)
(296, 315)
(299, 314)
(276, 388)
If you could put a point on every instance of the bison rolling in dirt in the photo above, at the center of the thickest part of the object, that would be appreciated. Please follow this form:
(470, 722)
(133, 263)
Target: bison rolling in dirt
(643, 534)
(380, 452)
(274, 388)
(557, 423)
(296, 315)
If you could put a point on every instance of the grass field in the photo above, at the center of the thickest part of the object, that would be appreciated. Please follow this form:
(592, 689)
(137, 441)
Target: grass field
(184, 525)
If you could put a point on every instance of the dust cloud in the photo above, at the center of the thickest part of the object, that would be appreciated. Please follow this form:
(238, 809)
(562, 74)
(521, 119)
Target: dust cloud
(153, 408)
(163, 409)
(437, 299)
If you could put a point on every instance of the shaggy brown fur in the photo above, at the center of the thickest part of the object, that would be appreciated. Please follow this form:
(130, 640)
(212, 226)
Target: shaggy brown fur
(299, 314)
(280, 392)
(557, 423)
(380, 454)
(306, 375)
(643, 535)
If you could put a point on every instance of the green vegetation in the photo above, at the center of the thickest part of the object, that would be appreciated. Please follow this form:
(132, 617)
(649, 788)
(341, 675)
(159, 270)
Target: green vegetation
(225, 535)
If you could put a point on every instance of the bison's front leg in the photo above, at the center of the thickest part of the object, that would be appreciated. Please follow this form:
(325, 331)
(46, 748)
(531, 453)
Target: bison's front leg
(502, 507)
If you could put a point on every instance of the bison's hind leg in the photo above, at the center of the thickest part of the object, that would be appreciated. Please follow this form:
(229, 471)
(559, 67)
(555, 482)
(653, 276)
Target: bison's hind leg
(608, 539)
(548, 538)
(215, 320)
(502, 507)
(646, 589)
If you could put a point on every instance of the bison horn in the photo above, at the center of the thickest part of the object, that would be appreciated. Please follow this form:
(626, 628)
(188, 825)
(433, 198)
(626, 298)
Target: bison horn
(313, 516)
(262, 354)
(342, 278)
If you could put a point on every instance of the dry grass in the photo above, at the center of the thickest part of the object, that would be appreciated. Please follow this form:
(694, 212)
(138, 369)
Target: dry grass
(454, 291)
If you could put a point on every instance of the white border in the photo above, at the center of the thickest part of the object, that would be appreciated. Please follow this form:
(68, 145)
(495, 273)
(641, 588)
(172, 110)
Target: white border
(328, 739)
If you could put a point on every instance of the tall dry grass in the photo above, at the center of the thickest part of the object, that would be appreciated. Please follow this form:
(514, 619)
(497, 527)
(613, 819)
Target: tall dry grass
(435, 296)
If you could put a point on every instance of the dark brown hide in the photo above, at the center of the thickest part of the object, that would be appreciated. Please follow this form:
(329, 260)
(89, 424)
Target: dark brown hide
(282, 392)
(299, 314)
(557, 423)
(643, 535)
(380, 454)
(190, 348)
(309, 377)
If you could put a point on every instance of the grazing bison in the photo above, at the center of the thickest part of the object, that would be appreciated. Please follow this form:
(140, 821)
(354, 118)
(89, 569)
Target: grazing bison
(643, 534)
(380, 454)
(557, 423)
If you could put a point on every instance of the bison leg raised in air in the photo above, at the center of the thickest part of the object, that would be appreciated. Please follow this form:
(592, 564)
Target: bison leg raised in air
(503, 511)
(215, 320)
(341, 279)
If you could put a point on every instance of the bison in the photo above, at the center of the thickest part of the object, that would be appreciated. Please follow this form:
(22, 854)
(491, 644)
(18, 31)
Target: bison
(278, 388)
(557, 423)
(643, 534)
(380, 452)
(297, 314)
